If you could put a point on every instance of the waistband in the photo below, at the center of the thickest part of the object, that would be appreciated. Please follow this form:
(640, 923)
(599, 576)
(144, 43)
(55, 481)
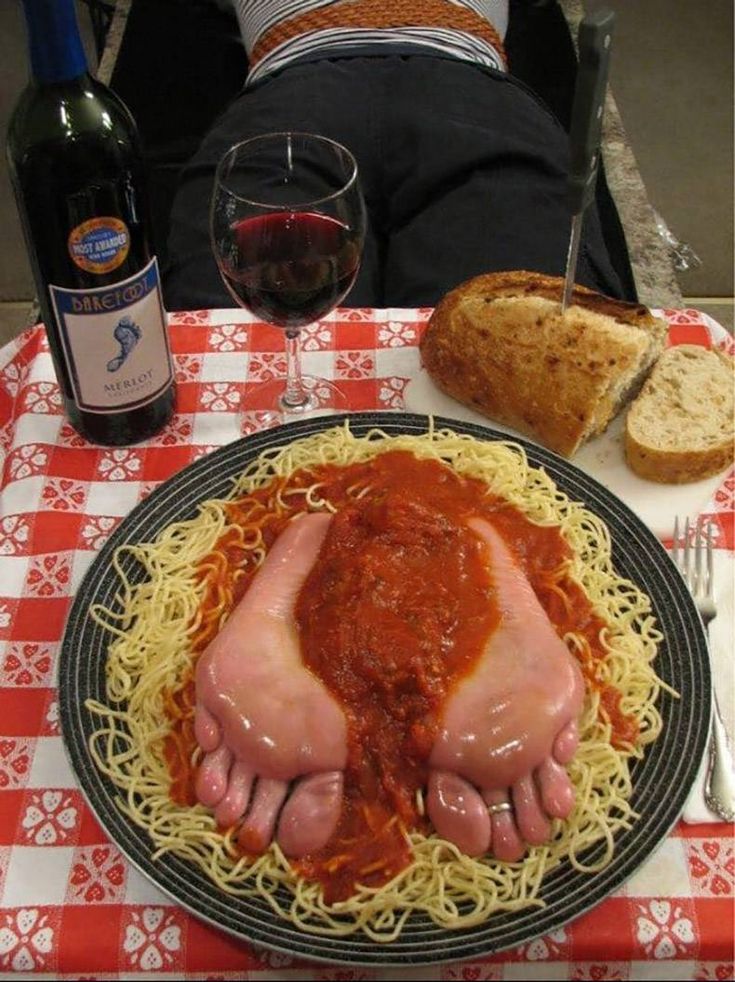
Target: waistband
(373, 49)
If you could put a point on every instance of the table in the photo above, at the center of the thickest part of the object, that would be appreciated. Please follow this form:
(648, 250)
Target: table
(70, 904)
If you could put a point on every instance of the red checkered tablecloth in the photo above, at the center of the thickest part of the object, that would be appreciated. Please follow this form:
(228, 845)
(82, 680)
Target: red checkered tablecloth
(70, 905)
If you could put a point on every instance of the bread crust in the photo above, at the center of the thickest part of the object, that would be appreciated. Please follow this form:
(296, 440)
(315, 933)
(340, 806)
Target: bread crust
(702, 445)
(499, 344)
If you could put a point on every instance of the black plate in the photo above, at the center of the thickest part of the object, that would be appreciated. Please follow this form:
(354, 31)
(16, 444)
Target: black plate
(661, 781)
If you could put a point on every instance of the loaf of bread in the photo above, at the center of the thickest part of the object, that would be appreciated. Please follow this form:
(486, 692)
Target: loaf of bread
(681, 427)
(499, 344)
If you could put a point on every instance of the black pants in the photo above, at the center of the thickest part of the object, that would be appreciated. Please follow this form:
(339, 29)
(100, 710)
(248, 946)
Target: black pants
(463, 171)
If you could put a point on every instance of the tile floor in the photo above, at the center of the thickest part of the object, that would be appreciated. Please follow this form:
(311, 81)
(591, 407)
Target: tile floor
(14, 317)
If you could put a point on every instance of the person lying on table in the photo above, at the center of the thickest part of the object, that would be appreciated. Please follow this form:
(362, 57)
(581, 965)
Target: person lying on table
(462, 166)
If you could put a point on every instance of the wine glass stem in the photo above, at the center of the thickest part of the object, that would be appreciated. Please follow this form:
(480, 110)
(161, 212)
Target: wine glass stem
(295, 395)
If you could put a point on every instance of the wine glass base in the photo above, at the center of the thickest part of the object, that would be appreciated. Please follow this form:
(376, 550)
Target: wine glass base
(263, 404)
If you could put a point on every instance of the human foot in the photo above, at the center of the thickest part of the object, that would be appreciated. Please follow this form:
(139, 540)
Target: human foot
(127, 334)
(263, 720)
(508, 728)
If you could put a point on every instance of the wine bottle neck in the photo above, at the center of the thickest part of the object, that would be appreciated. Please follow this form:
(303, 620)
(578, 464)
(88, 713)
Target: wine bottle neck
(56, 49)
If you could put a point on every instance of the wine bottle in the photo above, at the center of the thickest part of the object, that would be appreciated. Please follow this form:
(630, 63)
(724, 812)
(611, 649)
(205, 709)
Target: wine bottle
(77, 171)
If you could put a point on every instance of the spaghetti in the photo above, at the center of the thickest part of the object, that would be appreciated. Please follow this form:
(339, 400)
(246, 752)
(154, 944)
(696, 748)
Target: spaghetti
(196, 571)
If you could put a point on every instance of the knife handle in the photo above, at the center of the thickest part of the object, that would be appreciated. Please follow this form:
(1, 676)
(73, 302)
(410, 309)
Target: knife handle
(595, 42)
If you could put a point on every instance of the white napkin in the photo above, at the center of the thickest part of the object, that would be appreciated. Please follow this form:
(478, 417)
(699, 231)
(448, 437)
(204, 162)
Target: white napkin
(602, 458)
(721, 632)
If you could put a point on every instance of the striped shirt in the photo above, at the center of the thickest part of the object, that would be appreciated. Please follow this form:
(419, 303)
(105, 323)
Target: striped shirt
(258, 16)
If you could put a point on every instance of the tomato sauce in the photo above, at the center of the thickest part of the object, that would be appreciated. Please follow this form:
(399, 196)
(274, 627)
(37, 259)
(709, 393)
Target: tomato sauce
(397, 608)
(180, 743)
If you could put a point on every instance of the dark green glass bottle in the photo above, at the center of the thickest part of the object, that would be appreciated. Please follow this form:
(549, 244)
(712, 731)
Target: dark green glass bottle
(76, 168)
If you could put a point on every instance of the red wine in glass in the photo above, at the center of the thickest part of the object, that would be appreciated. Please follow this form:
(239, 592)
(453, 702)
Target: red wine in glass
(291, 268)
(288, 225)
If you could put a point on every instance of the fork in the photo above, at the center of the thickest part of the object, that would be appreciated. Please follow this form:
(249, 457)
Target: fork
(696, 564)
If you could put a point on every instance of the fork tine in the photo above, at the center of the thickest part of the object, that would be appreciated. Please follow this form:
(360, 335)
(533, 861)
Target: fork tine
(710, 560)
(699, 540)
(688, 553)
(676, 544)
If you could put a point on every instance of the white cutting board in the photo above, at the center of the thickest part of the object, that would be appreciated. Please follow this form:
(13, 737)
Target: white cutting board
(602, 458)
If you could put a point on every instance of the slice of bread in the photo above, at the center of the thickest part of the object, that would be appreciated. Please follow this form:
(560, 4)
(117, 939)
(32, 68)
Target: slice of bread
(499, 344)
(682, 426)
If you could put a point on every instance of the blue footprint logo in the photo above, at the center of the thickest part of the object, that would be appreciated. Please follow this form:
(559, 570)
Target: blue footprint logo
(127, 334)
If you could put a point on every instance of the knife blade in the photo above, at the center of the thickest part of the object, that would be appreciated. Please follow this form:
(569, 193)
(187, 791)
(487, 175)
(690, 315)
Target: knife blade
(594, 44)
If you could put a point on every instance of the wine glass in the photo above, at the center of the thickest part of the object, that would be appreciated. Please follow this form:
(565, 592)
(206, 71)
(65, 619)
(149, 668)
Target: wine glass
(288, 224)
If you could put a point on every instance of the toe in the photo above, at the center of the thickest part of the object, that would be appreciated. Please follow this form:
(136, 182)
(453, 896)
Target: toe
(206, 729)
(458, 813)
(557, 791)
(566, 743)
(533, 824)
(507, 845)
(256, 832)
(237, 797)
(212, 777)
(311, 813)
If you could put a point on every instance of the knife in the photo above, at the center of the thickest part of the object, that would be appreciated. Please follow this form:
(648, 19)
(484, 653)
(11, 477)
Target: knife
(594, 43)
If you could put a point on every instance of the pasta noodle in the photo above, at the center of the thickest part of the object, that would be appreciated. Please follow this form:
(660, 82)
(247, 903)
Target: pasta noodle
(159, 622)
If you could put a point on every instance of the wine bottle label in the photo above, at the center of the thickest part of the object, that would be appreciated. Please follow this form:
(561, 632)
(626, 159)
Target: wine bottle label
(115, 342)
(99, 245)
